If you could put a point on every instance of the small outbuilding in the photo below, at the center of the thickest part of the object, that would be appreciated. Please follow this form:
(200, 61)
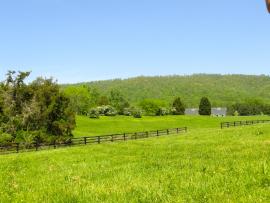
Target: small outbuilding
(192, 111)
(219, 111)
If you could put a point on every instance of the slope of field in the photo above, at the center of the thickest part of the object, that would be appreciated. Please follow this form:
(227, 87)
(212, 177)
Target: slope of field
(221, 89)
(121, 124)
(204, 165)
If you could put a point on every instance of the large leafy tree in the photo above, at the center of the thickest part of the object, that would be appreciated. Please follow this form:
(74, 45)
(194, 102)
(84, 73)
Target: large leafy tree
(35, 109)
(205, 106)
(178, 106)
(118, 101)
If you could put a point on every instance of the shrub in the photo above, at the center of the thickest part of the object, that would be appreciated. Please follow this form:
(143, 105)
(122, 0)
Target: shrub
(137, 113)
(93, 113)
(152, 106)
(5, 139)
(205, 106)
(128, 111)
(236, 113)
(106, 110)
(179, 108)
(162, 112)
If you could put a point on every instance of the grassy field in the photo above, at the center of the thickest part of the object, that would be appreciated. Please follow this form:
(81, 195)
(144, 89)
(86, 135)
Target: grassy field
(205, 165)
(121, 124)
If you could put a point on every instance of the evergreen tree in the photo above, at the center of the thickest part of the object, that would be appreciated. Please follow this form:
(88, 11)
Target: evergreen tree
(178, 106)
(205, 106)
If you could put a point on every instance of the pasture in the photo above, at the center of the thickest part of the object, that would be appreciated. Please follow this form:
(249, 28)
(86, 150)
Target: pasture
(121, 124)
(205, 165)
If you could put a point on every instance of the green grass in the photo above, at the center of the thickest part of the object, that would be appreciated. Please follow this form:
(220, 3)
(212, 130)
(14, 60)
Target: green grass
(121, 124)
(204, 165)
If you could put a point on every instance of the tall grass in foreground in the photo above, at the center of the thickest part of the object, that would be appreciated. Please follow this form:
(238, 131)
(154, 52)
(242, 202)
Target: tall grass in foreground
(206, 165)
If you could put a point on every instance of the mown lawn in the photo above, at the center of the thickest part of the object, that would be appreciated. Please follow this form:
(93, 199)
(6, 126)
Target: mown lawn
(204, 165)
(121, 124)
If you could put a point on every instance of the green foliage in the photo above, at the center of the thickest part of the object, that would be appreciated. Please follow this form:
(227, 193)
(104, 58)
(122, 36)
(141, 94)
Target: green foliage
(205, 106)
(118, 101)
(93, 113)
(179, 108)
(222, 90)
(250, 107)
(103, 101)
(36, 107)
(80, 98)
(152, 107)
(162, 111)
(137, 113)
(107, 110)
(236, 113)
(5, 139)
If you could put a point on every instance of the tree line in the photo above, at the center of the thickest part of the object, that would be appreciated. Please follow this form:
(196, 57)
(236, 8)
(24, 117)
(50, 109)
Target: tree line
(37, 111)
(87, 100)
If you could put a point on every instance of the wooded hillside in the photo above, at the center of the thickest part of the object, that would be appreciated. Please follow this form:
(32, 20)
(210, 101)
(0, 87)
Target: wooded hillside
(222, 90)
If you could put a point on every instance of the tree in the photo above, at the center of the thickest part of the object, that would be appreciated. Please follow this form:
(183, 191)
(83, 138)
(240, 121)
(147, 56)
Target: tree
(118, 102)
(178, 106)
(80, 98)
(33, 110)
(205, 106)
(151, 107)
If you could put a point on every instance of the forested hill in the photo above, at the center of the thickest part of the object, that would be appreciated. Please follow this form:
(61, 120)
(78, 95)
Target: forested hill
(221, 89)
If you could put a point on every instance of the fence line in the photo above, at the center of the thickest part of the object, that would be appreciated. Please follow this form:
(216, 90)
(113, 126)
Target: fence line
(241, 123)
(35, 146)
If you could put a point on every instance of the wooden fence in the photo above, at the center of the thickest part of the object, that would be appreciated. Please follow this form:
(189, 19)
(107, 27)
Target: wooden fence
(241, 123)
(35, 146)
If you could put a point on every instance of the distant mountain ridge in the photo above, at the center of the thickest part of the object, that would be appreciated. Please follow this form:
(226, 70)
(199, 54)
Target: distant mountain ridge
(220, 89)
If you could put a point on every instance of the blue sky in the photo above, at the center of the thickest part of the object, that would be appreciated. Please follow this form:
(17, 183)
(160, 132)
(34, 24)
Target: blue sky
(85, 40)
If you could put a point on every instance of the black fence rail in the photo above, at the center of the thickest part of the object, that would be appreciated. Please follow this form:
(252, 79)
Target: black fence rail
(241, 123)
(35, 146)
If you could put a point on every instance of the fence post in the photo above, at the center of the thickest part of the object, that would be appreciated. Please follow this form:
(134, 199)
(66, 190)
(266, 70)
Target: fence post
(124, 136)
(146, 133)
(135, 136)
(17, 147)
(36, 145)
(185, 129)
(168, 132)
(157, 133)
(84, 140)
(98, 139)
(112, 138)
(221, 125)
(177, 130)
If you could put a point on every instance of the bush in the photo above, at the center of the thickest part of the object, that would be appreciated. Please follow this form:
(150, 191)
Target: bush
(151, 107)
(128, 111)
(5, 139)
(93, 113)
(205, 106)
(137, 113)
(236, 113)
(162, 112)
(106, 110)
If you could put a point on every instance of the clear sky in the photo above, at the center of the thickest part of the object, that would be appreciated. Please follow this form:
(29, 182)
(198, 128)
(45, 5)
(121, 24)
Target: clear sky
(85, 40)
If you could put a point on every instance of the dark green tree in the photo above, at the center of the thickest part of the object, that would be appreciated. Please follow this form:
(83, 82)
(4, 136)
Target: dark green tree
(205, 106)
(179, 108)
(31, 110)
